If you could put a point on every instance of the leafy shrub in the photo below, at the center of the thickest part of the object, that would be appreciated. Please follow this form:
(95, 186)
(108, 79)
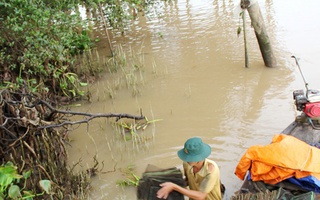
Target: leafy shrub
(37, 39)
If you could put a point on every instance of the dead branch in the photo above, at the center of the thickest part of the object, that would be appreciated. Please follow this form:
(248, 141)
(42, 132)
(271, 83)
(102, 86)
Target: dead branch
(30, 110)
(89, 116)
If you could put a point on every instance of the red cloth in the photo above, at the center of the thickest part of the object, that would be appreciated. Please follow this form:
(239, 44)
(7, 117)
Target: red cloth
(285, 157)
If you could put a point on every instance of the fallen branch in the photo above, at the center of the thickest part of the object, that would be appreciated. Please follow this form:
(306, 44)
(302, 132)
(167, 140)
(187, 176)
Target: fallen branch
(26, 113)
(89, 116)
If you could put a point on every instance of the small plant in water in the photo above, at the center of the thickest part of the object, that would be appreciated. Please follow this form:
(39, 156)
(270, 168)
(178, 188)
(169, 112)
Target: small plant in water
(133, 128)
(131, 178)
(128, 66)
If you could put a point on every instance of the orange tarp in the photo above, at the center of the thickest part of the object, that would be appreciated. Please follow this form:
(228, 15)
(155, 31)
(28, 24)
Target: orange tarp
(285, 157)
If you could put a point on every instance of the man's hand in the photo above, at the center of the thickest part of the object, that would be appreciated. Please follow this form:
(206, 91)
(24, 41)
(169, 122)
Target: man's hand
(168, 187)
(164, 192)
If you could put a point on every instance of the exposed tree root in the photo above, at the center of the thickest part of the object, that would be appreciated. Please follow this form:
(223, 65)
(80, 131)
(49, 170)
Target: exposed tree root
(32, 136)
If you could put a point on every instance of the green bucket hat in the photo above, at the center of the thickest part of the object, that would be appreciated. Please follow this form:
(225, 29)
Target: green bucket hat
(194, 150)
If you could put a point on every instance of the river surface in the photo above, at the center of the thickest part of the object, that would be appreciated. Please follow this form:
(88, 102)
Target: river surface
(193, 78)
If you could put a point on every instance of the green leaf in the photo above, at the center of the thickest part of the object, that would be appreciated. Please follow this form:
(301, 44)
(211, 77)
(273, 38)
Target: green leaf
(238, 30)
(14, 192)
(27, 174)
(83, 84)
(45, 185)
(71, 78)
(5, 180)
(81, 93)
(8, 174)
(73, 92)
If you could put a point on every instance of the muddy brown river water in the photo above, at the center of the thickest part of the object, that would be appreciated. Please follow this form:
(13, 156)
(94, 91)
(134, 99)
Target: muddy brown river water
(194, 79)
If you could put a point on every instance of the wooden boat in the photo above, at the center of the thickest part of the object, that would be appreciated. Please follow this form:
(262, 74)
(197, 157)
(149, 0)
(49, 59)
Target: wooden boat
(306, 127)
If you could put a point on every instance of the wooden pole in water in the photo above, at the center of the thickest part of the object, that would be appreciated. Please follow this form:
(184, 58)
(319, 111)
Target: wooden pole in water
(245, 39)
(106, 29)
(259, 28)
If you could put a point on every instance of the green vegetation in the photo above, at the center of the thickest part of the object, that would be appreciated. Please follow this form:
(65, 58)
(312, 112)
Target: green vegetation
(9, 180)
(131, 178)
(133, 130)
(40, 41)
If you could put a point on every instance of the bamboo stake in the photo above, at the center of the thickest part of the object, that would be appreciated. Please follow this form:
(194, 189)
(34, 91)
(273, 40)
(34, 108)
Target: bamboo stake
(245, 40)
(105, 28)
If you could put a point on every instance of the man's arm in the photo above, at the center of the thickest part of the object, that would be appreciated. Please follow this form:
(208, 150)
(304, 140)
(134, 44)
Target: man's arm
(169, 187)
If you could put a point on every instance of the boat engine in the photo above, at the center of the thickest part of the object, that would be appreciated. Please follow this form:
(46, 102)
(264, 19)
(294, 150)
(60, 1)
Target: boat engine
(309, 103)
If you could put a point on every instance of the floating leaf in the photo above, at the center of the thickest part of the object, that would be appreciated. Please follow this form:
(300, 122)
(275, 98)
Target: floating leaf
(239, 31)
